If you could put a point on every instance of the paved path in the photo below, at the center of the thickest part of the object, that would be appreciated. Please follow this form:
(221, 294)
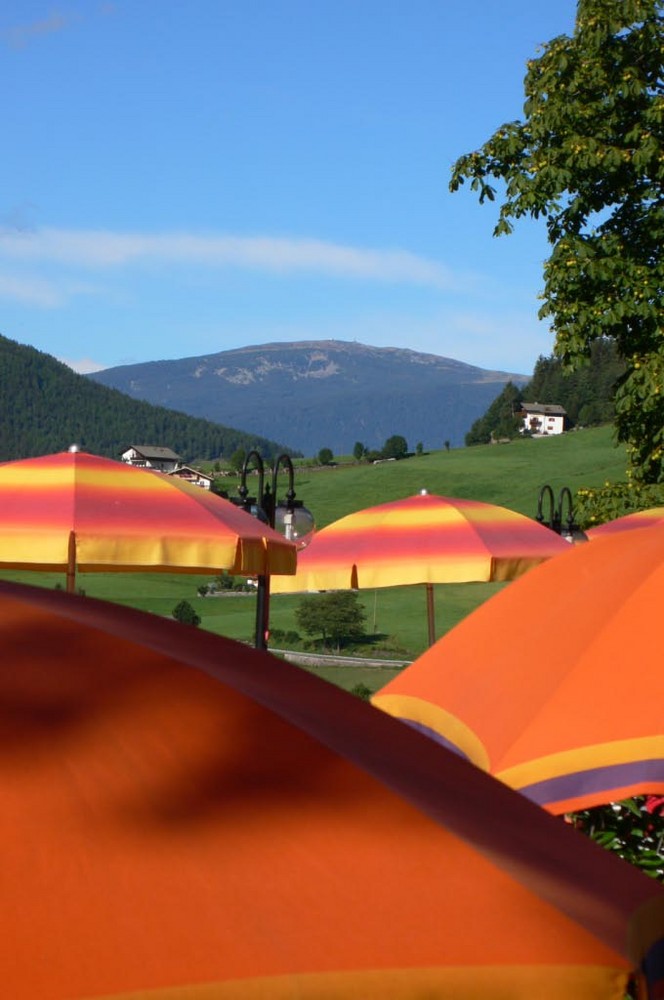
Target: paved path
(320, 660)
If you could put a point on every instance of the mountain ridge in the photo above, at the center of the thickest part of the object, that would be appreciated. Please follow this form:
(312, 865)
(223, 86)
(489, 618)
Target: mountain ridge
(321, 393)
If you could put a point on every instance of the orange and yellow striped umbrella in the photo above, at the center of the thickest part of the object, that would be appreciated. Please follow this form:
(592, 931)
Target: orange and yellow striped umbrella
(555, 685)
(629, 522)
(422, 539)
(74, 511)
(184, 817)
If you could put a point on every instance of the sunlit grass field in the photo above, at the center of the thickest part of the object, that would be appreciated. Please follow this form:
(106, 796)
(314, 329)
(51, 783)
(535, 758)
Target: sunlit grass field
(510, 475)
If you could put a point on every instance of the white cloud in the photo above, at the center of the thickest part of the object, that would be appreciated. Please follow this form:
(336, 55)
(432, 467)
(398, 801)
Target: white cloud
(103, 249)
(44, 293)
(30, 291)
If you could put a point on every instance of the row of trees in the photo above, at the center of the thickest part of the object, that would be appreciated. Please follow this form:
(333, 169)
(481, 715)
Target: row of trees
(588, 159)
(395, 446)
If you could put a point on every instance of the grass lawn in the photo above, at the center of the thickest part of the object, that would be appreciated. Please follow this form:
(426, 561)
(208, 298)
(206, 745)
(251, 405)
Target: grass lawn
(510, 475)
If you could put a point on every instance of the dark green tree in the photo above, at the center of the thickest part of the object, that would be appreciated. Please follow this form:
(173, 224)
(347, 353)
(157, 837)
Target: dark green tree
(325, 456)
(500, 420)
(237, 459)
(395, 447)
(184, 613)
(359, 451)
(336, 617)
(588, 158)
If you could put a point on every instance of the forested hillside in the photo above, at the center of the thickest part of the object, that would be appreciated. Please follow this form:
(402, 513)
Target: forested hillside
(586, 394)
(45, 407)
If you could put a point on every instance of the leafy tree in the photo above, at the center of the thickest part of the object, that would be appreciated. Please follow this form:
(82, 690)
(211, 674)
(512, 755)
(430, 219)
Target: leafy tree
(325, 456)
(606, 503)
(500, 419)
(395, 447)
(184, 613)
(359, 451)
(237, 459)
(588, 158)
(336, 616)
(419, 448)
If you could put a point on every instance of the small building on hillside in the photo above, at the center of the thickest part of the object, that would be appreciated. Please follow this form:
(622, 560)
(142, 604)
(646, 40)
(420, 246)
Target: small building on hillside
(541, 419)
(147, 456)
(192, 475)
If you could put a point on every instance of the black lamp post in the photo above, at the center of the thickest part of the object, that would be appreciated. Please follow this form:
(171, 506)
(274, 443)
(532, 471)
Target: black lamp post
(290, 517)
(568, 528)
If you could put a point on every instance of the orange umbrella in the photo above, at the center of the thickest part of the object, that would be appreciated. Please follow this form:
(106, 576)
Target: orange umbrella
(184, 816)
(77, 511)
(637, 519)
(423, 539)
(555, 685)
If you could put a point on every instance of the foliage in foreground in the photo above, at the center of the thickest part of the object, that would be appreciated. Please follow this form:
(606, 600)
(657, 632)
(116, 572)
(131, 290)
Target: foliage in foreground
(633, 829)
(612, 500)
(589, 158)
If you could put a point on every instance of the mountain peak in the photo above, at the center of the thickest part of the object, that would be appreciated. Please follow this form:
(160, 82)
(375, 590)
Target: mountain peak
(321, 393)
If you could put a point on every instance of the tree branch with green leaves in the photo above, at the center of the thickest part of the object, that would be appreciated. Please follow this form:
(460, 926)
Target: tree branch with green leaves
(588, 158)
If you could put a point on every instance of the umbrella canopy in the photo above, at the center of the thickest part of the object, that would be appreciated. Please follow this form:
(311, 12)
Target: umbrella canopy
(74, 511)
(555, 685)
(423, 539)
(185, 816)
(638, 519)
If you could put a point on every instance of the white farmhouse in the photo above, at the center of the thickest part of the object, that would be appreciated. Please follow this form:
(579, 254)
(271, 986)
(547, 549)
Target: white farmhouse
(147, 456)
(194, 476)
(541, 419)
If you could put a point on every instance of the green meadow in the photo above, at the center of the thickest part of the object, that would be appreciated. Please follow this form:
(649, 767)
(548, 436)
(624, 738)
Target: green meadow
(510, 475)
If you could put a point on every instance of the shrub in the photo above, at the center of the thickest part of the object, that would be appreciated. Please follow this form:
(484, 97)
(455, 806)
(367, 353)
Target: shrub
(184, 613)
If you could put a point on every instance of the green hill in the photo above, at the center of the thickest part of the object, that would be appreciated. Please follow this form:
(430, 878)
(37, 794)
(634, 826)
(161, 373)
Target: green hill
(507, 474)
(45, 407)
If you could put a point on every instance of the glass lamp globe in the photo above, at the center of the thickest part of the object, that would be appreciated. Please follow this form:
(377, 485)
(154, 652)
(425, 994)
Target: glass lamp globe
(295, 522)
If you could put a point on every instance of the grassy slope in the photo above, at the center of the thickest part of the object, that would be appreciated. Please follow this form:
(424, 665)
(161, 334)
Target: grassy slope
(510, 475)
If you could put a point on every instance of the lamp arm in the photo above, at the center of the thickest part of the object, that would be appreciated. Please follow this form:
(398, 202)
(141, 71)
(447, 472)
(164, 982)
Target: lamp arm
(282, 460)
(565, 494)
(261, 475)
(546, 491)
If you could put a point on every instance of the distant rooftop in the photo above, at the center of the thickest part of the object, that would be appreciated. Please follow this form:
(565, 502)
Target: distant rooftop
(154, 451)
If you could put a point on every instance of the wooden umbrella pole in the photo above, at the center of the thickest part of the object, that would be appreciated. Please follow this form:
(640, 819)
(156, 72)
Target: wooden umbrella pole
(71, 563)
(431, 614)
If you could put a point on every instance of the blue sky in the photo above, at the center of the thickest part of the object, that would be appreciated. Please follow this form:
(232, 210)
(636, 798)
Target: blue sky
(184, 178)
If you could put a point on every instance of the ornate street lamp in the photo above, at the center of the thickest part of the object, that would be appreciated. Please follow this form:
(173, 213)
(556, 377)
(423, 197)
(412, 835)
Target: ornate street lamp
(290, 517)
(567, 529)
